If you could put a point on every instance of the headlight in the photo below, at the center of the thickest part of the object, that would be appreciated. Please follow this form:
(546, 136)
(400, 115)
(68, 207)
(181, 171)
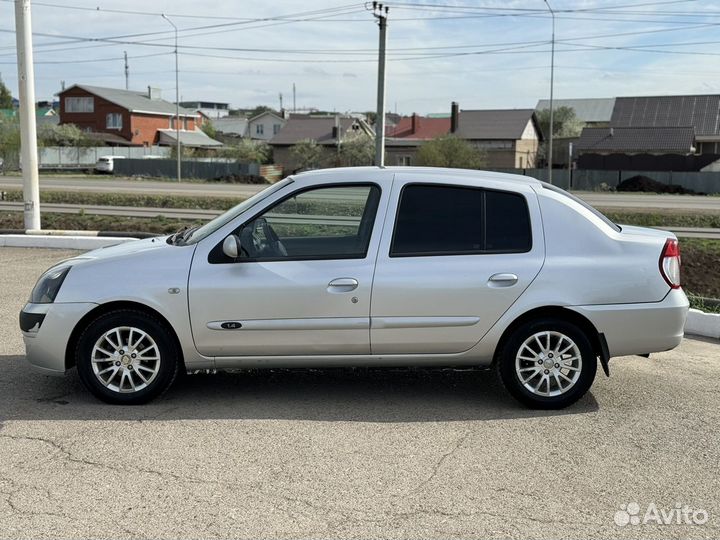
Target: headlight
(47, 287)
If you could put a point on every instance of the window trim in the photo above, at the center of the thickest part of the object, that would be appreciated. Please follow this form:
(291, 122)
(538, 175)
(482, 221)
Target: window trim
(484, 190)
(216, 255)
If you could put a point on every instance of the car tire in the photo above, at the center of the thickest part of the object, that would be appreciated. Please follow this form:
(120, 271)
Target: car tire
(127, 357)
(547, 363)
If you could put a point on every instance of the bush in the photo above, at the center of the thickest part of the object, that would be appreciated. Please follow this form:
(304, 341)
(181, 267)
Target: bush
(450, 151)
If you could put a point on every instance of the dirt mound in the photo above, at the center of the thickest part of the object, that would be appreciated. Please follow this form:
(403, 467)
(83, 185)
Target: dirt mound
(648, 185)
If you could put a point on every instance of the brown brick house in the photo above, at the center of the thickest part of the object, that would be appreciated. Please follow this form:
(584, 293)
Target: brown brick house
(127, 117)
(509, 136)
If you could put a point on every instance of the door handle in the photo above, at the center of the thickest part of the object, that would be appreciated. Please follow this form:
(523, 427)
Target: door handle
(341, 285)
(502, 280)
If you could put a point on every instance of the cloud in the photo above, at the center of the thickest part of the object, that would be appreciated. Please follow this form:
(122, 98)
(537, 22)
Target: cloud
(268, 57)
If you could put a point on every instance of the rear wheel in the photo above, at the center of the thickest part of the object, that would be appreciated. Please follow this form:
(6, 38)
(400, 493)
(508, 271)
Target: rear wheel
(127, 357)
(547, 364)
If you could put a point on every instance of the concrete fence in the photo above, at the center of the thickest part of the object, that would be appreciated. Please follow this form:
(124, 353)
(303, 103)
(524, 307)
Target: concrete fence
(591, 180)
(190, 168)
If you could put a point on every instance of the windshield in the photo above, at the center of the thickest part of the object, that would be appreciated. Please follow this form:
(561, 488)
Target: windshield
(223, 219)
(578, 200)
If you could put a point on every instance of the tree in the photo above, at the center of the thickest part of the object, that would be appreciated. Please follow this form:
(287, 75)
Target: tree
(356, 151)
(209, 129)
(259, 110)
(450, 151)
(64, 135)
(247, 151)
(10, 143)
(307, 153)
(5, 97)
(565, 124)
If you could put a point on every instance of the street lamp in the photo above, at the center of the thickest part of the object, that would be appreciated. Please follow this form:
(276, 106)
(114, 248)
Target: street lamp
(177, 101)
(552, 77)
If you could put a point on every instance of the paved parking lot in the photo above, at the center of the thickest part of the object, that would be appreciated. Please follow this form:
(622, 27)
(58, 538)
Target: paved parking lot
(353, 454)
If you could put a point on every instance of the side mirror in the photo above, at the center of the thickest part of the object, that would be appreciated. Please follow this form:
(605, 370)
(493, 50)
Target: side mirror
(231, 246)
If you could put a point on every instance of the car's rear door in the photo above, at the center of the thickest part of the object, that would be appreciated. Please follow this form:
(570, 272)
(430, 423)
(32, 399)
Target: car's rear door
(454, 256)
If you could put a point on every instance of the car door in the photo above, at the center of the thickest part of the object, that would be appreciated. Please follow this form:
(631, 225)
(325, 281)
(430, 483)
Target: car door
(453, 259)
(302, 282)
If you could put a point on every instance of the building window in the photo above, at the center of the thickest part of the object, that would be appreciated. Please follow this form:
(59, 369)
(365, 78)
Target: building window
(404, 161)
(113, 121)
(276, 129)
(79, 105)
(259, 129)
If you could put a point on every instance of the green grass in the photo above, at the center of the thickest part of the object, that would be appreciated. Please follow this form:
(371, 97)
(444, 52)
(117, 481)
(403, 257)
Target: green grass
(658, 219)
(698, 302)
(130, 199)
(88, 222)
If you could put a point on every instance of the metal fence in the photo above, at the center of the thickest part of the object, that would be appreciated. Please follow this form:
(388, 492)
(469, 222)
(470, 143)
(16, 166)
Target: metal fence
(190, 168)
(592, 180)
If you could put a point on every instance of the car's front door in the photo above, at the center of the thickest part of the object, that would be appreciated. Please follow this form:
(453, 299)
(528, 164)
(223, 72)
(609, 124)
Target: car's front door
(455, 259)
(301, 284)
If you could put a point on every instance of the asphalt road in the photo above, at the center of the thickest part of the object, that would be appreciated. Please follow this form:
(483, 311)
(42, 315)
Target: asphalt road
(111, 185)
(352, 454)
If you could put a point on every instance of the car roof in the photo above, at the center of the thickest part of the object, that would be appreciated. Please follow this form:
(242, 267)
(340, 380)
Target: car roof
(425, 171)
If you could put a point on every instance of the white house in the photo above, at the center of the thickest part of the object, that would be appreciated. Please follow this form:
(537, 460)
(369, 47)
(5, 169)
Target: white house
(265, 126)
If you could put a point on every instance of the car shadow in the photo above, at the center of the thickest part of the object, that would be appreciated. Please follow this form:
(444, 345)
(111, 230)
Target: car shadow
(344, 395)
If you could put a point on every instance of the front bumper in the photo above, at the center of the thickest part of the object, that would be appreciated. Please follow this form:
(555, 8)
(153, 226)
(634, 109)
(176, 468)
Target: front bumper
(640, 328)
(46, 330)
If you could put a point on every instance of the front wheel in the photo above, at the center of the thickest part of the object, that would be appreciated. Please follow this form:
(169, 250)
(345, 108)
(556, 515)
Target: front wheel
(127, 357)
(547, 364)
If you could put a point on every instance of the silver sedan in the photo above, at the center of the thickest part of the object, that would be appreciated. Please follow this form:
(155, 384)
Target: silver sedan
(368, 267)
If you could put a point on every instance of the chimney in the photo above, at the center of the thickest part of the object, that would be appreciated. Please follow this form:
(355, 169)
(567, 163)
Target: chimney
(415, 123)
(154, 93)
(454, 117)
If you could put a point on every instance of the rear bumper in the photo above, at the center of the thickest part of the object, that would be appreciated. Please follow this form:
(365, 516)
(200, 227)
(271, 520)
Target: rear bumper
(46, 330)
(640, 328)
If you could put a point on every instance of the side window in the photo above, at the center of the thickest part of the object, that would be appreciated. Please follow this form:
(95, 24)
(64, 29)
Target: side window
(507, 222)
(322, 223)
(455, 220)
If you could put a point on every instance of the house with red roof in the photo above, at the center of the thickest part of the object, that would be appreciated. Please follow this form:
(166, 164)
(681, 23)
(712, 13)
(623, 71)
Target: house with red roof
(408, 134)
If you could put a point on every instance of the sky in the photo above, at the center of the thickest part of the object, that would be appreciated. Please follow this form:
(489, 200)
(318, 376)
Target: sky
(483, 54)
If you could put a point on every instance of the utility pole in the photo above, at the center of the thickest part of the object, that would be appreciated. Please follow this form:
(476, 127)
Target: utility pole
(127, 72)
(552, 85)
(294, 104)
(28, 129)
(380, 13)
(177, 103)
(281, 108)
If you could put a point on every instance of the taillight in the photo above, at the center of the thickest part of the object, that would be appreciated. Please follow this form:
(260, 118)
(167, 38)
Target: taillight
(670, 263)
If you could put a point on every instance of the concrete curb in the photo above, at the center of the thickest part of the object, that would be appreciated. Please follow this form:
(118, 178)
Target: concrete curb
(84, 243)
(703, 324)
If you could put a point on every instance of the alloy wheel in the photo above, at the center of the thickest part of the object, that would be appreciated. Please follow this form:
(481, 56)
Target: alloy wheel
(548, 363)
